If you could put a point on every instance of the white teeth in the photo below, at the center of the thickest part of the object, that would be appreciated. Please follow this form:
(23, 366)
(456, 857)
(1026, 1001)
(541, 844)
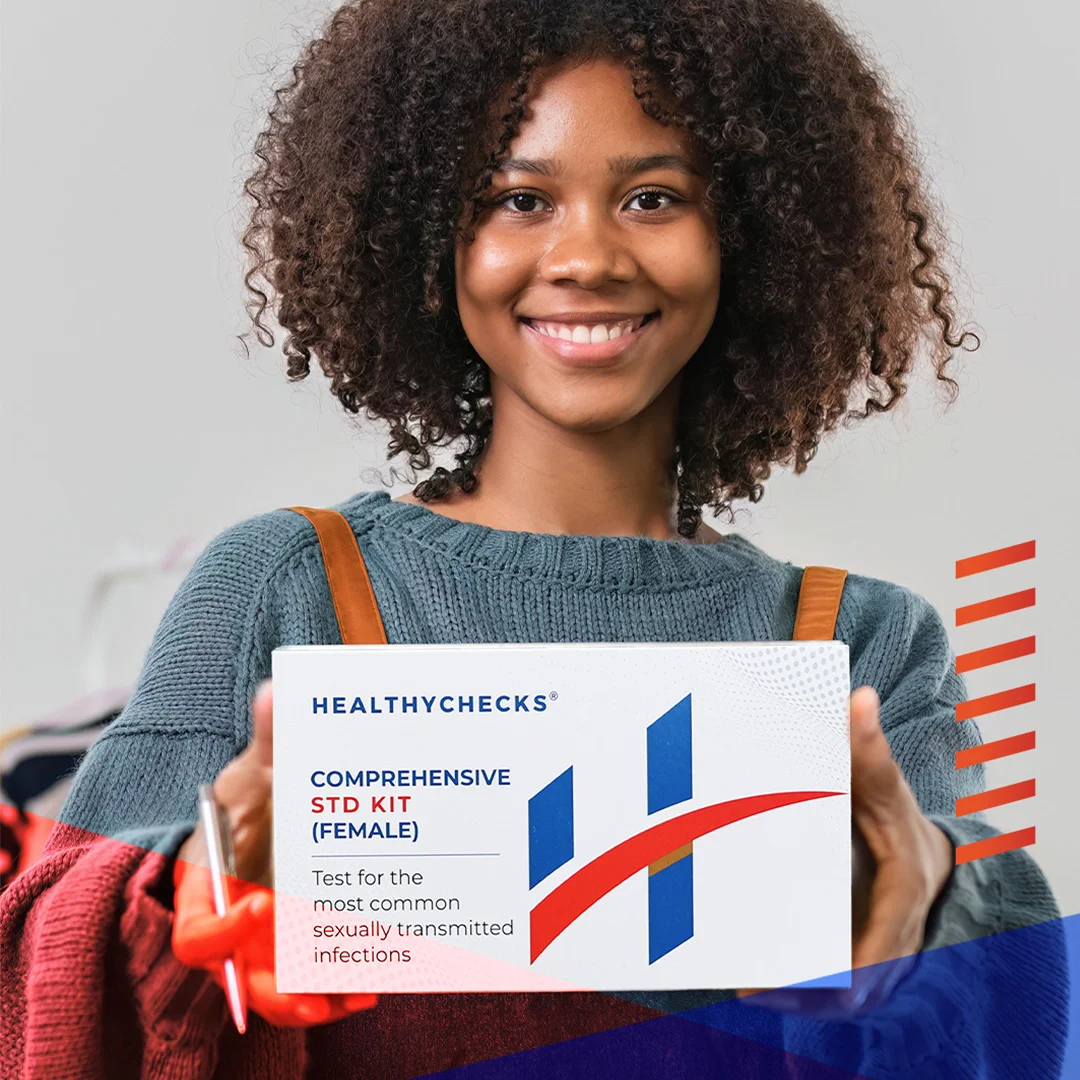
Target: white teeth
(586, 335)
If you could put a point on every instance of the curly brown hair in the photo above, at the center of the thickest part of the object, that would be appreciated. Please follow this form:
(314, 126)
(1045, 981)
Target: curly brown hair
(379, 146)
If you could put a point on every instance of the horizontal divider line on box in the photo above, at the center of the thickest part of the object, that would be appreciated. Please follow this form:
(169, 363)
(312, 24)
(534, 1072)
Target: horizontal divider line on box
(991, 560)
(995, 845)
(999, 748)
(999, 605)
(999, 796)
(988, 703)
(995, 654)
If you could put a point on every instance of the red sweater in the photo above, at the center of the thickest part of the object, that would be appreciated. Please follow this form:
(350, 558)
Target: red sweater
(91, 988)
(90, 985)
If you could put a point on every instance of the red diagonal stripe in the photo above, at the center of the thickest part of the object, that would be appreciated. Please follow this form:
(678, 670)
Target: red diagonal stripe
(996, 654)
(1004, 699)
(596, 879)
(999, 796)
(1000, 605)
(991, 560)
(995, 845)
(999, 748)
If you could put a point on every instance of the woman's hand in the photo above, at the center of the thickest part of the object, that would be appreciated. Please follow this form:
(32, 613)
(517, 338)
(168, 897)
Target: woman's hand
(913, 859)
(201, 938)
(243, 790)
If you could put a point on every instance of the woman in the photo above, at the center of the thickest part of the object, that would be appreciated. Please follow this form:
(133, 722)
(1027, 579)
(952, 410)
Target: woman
(626, 257)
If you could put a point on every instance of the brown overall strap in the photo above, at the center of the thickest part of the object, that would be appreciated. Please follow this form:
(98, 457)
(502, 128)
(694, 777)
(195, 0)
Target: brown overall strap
(357, 611)
(819, 603)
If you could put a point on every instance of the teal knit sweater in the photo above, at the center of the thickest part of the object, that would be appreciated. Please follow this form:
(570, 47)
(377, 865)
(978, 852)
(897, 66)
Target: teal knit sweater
(261, 584)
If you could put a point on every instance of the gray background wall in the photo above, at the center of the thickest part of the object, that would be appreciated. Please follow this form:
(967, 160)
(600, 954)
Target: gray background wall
(132, 420)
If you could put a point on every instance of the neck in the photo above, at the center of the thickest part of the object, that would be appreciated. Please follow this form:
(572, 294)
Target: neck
(537, 477)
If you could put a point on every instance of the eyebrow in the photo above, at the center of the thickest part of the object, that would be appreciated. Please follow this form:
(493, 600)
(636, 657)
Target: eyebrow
(624, 165)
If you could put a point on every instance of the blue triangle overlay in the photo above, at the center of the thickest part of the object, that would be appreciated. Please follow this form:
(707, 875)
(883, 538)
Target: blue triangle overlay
(998, 1008)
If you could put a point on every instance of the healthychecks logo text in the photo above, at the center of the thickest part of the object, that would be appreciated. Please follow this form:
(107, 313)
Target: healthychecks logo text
(666, 850)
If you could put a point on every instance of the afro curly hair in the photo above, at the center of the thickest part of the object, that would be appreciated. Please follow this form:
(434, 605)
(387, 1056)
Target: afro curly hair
(380, 144)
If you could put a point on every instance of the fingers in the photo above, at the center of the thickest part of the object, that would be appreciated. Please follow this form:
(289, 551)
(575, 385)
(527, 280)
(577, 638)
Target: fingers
(358, 1002)
(201, 937)
(284, 1010)
(262, 716)
(889, 821)
(300, 1010)
(243, 789)
(871, 755)
(881, 798)
(884, 954)
(894, 927)
(889, 937)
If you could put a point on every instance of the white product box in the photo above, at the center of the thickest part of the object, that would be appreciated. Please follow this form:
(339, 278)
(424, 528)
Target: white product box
(561, 817)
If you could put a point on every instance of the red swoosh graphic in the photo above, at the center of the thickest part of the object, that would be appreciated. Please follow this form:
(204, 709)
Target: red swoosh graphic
(596, 879)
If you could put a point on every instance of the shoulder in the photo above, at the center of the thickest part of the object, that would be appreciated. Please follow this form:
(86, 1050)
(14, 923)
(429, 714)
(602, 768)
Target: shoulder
(893, 633)
(870, 604)
(250, 553)
(867, 605)
(898, 644)
(251, 577)
(257, 584)
(237, 566)
(264, 578)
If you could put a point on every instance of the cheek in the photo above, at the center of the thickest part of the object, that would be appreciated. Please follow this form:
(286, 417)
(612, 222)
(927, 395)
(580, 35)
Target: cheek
(689, 272)
(491, 273)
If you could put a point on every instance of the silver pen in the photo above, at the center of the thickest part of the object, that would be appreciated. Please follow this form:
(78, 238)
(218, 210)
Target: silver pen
(219, 848)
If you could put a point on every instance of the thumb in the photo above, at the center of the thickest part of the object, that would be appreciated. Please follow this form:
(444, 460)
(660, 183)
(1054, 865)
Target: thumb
(262, 719)
(875, 778)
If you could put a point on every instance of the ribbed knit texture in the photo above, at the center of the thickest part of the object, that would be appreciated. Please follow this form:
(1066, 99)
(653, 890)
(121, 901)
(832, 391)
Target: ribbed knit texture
(262, 584)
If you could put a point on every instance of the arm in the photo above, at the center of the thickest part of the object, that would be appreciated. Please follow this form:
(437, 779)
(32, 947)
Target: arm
(85, 934)
(84, 953)
(986, 896)
(986, 995)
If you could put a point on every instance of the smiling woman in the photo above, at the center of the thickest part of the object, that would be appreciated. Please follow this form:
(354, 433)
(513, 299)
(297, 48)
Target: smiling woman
(735, 171)
(626, 257)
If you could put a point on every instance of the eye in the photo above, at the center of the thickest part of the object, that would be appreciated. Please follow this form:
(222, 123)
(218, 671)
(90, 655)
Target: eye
(517, 198)
(523, 203)
(651, 194)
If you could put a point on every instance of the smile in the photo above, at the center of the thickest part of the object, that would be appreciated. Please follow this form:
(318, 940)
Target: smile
(573, 345)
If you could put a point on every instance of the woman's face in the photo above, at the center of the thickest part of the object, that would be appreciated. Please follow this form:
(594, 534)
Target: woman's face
(581, 232)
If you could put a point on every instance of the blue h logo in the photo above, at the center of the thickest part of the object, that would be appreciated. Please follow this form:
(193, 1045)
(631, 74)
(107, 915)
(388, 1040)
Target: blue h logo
(669, 766)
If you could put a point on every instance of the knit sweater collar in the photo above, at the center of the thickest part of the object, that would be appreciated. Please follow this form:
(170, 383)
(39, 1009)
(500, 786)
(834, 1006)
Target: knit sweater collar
(618, 562)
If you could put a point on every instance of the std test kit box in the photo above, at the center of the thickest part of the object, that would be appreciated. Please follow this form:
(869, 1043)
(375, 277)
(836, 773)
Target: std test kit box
(561, 817)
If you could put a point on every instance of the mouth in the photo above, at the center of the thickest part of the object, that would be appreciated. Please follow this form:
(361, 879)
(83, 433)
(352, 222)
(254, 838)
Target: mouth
(589, 344)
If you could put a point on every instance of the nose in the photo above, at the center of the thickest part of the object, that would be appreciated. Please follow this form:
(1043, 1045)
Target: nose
(588, 249)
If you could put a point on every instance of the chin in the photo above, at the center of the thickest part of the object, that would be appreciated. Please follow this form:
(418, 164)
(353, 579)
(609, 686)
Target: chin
(587, 417)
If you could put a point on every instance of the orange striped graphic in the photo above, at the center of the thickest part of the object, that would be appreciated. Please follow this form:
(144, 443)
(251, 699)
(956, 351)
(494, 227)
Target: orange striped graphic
(988, 703)
(995, 845)
(1000, 605)
(999, 748)
(996, 654)
(999, 796)
(991, 560)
